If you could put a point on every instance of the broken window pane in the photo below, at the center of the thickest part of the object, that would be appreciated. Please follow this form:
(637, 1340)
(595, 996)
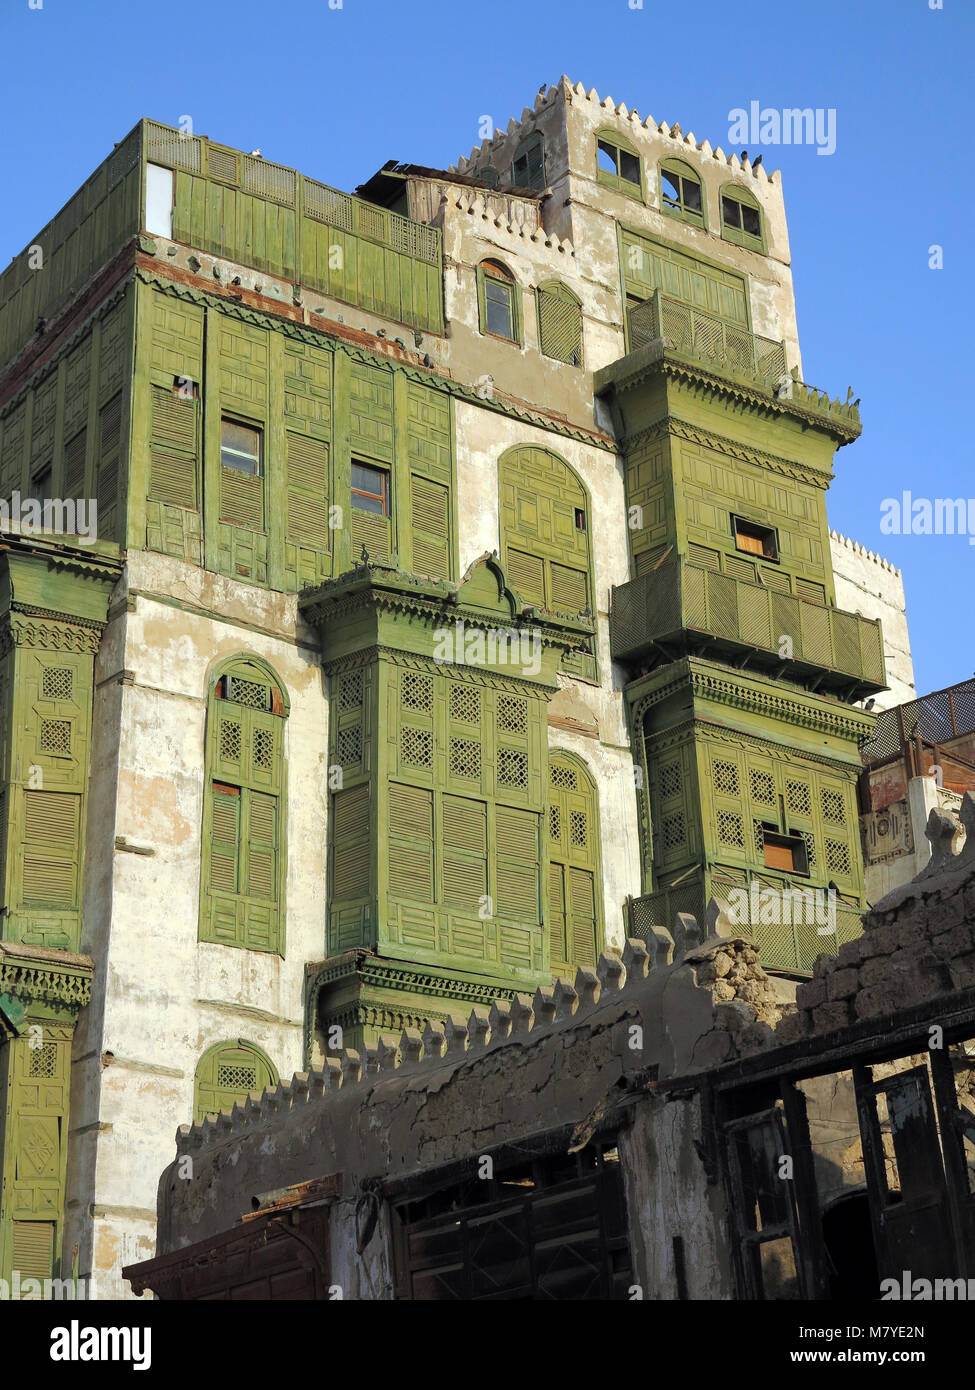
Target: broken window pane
(750, 221)
(671, 189)
(607, 158)
(692, 195)
(629, 167)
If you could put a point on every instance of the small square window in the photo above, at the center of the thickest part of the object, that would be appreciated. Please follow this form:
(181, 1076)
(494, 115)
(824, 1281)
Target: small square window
(370, 489)
(755, 539)
(240, 447)
(787, 852)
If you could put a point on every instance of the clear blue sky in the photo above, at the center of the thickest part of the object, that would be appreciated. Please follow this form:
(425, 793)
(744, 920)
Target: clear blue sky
(337, 92)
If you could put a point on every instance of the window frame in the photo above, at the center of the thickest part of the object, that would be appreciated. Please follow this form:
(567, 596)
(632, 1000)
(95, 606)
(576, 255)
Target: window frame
(621, 145)
(258, 428)
(734, 192)
(556, 289)
(692, 216)
(383, 497)
(528, 146)
(498, 273)
(788, 840)
(249, 668)
(757, 526)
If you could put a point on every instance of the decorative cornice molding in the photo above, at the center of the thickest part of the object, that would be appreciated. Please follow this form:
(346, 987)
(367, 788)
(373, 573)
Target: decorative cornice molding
(657, 743)
(674, 425)
(104, 307)
(704, 684)
(59, 632)
(426, 376)
(46, 982)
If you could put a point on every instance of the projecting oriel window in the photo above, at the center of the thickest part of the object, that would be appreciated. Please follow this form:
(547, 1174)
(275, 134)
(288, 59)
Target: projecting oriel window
(370, 489)
(240, 447)
(755, 539)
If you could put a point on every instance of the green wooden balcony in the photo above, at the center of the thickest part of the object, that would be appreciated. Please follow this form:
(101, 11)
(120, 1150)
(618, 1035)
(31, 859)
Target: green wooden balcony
(679, 599)
(690, 332)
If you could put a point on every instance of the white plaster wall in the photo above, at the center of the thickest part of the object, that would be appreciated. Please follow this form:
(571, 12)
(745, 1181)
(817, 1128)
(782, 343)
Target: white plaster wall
(167, 996)
(868, 584)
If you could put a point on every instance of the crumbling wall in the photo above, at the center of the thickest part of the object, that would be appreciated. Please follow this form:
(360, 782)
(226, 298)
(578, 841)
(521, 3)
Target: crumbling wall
(577, 1055)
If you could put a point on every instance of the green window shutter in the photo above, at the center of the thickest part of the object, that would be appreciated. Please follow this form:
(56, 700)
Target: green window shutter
(569, 589)
(556, 893)
(517, 863)
(33, 1249)
(227, 1074)
(411, 842)
(527, 575)
(560, 324)
(51, 849)
(225, 841)
(173, 449)
(261, 874)
(307, 516)
(371, 530)
(74, 465)
(241, 499)
(582, 916)
(464, 852)
(109, 460)
(351, 843)
(431, 512)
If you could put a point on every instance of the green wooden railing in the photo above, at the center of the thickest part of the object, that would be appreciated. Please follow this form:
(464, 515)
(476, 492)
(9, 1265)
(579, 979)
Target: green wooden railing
(691, 332)
(679, 596)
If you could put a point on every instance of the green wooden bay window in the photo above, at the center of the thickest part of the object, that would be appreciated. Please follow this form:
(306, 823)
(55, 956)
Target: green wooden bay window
(242, 898)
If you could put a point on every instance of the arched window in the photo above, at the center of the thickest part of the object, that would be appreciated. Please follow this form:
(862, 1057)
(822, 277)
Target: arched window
(575, 897)
(545, 541)
(499, 301)
(242, 895)
(681, 192)
(528, 165)
(560, 323)
(618, 163)
(741, 218)
(227, 1074)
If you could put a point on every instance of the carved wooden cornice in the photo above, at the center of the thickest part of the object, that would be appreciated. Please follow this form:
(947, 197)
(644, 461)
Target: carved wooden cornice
(673, 425)
(58, 632)
(668, 738)
(426, 376)
(39, 977)
(843, 722)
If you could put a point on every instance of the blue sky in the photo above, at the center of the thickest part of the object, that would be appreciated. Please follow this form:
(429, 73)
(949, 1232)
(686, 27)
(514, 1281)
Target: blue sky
(336, 92)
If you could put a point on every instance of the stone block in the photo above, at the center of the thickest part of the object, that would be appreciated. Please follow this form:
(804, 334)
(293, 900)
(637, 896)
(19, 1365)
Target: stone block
(849, 953)
(810, 994)
(956, 941)
(842, 984)
(881, 941)
(828, 1017)
(962, 971)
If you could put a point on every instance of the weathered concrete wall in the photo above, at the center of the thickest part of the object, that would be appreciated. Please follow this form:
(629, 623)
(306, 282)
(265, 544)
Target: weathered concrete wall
(164, 997)
(868, 584)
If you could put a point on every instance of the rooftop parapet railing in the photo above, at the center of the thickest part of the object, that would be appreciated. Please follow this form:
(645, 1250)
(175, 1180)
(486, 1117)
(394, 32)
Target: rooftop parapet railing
(679, 596)
(729, 350)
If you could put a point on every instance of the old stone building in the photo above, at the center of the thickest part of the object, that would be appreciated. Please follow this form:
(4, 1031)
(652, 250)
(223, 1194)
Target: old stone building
(463, 603)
